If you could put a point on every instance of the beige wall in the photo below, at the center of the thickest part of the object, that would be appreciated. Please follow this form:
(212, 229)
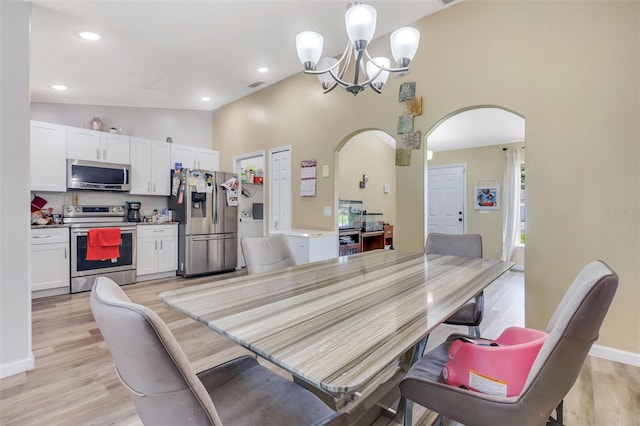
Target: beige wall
(570, 68)
(482, 163)
(379, 167)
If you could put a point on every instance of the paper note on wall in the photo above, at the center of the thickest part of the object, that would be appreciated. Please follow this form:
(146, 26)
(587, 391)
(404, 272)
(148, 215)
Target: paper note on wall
(308, 178)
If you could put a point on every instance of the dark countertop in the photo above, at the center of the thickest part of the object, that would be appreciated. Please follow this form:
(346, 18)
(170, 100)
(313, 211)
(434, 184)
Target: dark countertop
(61, 225)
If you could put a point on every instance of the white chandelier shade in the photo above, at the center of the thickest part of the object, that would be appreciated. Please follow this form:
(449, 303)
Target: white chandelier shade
(404, 45)
(360, 22)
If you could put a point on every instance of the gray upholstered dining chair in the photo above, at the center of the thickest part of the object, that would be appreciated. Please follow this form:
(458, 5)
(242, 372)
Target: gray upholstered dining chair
(467, 245)
(166, 390)
(262, 254)
(572, 330)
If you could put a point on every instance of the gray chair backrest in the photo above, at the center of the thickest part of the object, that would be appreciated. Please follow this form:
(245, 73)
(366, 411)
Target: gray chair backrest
(467, 245)
(572, 330)
(262, 254)
(149, 361)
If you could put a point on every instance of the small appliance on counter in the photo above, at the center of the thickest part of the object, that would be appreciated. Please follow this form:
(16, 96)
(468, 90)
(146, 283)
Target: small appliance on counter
(133, 211)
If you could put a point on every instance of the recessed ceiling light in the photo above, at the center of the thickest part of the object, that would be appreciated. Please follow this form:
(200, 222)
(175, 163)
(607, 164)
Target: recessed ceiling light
(263, 69)
(59, 87)
(206, 98)
(88, 35)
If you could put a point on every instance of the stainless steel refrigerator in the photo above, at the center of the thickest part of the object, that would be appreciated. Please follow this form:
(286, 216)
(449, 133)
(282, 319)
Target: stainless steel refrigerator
(206, 206)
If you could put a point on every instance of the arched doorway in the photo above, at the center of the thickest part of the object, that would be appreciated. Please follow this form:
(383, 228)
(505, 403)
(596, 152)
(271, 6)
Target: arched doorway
(472, 140)
(365, 174)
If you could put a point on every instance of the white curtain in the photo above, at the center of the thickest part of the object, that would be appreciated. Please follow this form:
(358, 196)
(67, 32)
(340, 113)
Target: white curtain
(511, 202)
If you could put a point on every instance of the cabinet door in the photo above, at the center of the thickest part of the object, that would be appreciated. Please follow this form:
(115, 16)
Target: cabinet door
(49, 266)
(299, 248)
(168, 254)
(160, 168)
(140, 166)
(115, 148)
(183, 154)
(208, 159)
(147, 260)
(48, 157)
(83, 144)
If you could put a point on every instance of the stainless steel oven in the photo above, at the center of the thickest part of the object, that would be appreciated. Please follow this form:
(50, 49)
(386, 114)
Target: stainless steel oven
(84, 272)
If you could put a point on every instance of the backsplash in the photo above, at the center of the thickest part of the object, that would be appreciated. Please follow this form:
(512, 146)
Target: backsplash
(56, 200)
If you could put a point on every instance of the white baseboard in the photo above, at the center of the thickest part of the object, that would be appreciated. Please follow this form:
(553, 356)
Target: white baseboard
(16, 367)
(617, 355)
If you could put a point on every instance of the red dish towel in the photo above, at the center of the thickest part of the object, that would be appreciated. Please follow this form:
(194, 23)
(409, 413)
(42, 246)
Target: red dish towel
(103, 243)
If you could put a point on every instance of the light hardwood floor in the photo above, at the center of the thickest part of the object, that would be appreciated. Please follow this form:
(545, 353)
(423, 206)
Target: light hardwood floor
(74, 382)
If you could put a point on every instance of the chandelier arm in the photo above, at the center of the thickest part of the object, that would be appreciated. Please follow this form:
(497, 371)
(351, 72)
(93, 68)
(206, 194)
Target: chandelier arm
(400, 69)
(345, 54)
(333, 86)
(375, 89)
(347, 61)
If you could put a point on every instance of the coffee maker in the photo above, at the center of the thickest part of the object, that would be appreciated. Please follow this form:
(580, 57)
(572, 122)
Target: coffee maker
(133, 211)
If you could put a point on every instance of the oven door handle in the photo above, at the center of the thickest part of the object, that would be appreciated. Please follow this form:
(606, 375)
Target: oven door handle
(127, 230)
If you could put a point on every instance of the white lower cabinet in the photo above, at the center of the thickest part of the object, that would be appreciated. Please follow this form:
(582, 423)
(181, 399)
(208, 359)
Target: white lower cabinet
(49, 262)
(310, 245)
(157, 251)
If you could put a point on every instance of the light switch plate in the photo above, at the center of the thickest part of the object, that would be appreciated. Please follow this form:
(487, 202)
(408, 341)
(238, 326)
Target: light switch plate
(386, 189)
(325, 170)
(327, 210)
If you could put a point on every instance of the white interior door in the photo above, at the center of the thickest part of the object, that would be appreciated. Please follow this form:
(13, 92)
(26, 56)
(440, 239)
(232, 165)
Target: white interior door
(280, 188)
(446, 192)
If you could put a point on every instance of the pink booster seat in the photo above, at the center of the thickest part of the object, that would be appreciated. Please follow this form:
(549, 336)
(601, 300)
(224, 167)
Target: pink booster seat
(497, 367)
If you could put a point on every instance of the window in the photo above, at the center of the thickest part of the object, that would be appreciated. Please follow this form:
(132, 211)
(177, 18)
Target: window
(523, 215)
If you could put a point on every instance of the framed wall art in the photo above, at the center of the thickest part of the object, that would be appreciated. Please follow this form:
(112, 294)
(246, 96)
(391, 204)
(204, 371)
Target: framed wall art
(486, 198)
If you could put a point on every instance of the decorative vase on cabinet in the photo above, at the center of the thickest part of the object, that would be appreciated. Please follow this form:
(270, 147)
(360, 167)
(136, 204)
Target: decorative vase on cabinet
(96, 124)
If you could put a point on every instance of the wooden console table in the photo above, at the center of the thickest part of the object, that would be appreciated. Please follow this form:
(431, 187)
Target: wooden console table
(372, 240)
(355, 247)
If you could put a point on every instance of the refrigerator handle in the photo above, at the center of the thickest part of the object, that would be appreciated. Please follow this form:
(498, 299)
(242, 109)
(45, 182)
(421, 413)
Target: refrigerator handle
(215, 199)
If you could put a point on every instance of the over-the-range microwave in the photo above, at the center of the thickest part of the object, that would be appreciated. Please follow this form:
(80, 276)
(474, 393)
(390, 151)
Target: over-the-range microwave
(98, 176)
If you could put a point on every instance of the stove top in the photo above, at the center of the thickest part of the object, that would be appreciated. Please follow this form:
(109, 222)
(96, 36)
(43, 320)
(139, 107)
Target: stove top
(93, 214)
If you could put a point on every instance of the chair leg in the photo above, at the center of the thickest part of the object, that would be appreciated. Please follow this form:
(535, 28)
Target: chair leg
(558, 420)
(408, 412)
(474, 330)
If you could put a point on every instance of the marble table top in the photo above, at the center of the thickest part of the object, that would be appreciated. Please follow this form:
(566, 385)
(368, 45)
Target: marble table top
(339, 322)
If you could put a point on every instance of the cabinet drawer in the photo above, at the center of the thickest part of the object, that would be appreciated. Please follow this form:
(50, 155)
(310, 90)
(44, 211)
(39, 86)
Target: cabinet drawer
(50, 236)
(388, 231)
(157, 230)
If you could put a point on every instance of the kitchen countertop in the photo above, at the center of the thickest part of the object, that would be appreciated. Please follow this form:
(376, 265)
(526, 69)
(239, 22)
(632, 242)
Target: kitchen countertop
(61, 225)
(310, 233)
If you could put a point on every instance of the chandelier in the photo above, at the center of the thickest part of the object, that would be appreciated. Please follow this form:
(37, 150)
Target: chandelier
(360, 20)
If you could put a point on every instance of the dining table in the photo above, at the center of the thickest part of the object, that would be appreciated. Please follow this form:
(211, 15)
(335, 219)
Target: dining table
(347, 328)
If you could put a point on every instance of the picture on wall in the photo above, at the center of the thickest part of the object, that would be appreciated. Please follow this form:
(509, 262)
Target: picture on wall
(486, 198)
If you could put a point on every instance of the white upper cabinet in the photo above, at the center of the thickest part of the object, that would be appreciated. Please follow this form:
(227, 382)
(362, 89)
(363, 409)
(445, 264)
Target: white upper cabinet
(150, 168)
(115, 148)
(91, 145)
(48, 157)
(208, 159)
(195, 158)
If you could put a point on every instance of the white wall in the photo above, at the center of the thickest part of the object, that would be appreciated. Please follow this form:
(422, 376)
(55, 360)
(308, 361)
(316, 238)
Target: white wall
(187, 127)
(15, 296)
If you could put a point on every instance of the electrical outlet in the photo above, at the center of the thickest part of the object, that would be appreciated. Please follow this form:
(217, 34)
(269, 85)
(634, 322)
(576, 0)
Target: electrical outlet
(498, 249)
